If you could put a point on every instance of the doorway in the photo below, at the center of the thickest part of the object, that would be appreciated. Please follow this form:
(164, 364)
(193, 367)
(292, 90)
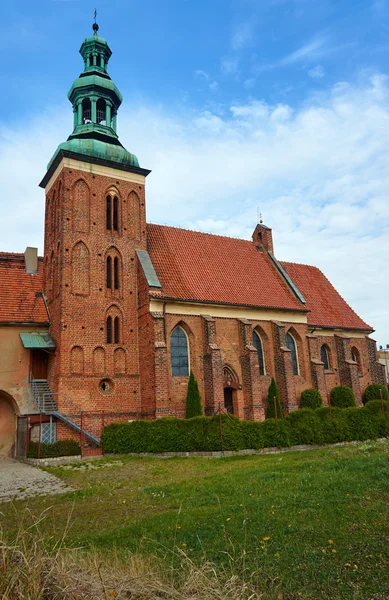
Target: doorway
(228, 400)
(7, 426)
(39, 360)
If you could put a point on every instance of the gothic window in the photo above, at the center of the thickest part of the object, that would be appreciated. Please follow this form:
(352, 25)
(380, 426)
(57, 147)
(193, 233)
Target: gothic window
(86, 111)
(112, 213)
(325, 357)
(116, 331)
(291, 344)
(257, 343)
(356, 357)
(109, 272)
(109, 330)
(115, 214)
(116, 273)
(80, 269)
(179, 352)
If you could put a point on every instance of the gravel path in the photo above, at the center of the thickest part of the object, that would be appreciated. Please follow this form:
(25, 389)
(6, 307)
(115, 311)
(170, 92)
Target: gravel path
(19, 480)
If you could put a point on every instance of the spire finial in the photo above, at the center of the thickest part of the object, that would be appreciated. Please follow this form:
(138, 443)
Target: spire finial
(95, 27)
(260, 218)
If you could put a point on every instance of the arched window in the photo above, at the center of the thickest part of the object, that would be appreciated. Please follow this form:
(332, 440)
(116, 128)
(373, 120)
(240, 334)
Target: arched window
(112, 213)
(116, 273)
(109, 272)
(179, 352)
(86, 111)
(257, 343)
(115, 214)
(109, 212)
(100, 111)
(325, 357)
(356, 357)
(109, 330)
(116, 335)
(291, 344)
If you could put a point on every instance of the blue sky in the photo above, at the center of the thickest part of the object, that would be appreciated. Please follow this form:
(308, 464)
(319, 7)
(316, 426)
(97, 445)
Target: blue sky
(278, 106)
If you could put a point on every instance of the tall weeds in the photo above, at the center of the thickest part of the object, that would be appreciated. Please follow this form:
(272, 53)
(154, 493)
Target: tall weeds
(33, 567)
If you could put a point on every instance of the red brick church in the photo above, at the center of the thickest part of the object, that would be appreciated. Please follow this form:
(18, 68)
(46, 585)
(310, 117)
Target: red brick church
(118, 311)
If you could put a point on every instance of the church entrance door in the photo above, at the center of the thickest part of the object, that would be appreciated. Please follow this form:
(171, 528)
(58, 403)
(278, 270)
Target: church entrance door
(228, 400)
(39, 360)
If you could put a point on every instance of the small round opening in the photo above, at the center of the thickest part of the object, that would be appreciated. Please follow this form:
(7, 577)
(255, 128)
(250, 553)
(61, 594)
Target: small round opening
(105, 386)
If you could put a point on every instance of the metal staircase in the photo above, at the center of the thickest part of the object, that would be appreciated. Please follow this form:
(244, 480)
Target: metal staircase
(65, 410)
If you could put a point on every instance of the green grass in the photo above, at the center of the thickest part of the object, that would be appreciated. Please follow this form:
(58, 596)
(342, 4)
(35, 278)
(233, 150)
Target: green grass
(305, 524)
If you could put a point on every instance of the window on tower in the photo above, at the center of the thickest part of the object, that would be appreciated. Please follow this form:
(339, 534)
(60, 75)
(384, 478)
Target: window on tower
(109, 212)
(116, 330)
(109, 272)
(101, 111)
(86, 111)
(109, 330)
(116, 273)
(115, 214)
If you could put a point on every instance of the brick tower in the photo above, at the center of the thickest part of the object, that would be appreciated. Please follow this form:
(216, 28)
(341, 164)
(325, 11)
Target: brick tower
(95, 222)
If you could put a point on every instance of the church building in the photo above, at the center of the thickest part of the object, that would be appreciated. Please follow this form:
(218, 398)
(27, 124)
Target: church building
(117, 312)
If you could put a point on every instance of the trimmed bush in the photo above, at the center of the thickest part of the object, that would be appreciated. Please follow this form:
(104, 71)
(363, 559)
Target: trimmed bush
(311, 399)
(193, 399)
(273, 392)
(372, 392)
(60, 448)
(342, 397)
(202, 434)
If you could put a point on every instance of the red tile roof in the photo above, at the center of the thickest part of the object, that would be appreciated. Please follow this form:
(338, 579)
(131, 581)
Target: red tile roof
(326, 305)
(211, 268)
(18, 302)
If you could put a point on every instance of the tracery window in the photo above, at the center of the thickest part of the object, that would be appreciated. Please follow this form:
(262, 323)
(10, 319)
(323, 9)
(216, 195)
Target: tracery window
(179, 352)
(325, 357)
(112, 213)
(257, 343)
(291, 344)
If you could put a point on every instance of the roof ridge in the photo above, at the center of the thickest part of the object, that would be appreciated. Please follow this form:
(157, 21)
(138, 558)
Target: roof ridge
(205, 233)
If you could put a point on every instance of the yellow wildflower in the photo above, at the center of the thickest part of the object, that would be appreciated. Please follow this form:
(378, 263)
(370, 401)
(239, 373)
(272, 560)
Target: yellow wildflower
(265, 539)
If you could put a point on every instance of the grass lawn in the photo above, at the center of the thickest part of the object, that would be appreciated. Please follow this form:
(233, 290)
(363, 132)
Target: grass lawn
(310, 525)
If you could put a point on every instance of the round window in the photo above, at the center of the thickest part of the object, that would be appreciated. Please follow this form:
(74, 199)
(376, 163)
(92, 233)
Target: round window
(105, 386)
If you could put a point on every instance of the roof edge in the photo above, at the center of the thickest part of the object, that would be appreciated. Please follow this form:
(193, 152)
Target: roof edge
(89, 159)
(213, 302)
(369, 330)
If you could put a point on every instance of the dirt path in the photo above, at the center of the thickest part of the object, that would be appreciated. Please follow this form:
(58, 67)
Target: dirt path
(19, 480)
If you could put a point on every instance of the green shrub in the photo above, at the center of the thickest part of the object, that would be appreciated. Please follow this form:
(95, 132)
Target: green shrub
(375, 406)
(305, 427)
(193, 398)
(311, 399)
(202, 434)
(273, 392)
(342, 397)
(60, 448)
(372, 392)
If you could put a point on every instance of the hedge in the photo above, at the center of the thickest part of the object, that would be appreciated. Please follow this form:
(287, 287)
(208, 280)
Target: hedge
(60, 448)
(311, 398)
(201, 434)
(342, 396)
(372, 392)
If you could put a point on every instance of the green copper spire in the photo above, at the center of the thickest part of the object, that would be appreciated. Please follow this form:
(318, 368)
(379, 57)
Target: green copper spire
(96, 100)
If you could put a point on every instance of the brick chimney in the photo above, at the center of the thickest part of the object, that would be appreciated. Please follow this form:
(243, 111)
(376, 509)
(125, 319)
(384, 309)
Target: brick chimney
(263, 238)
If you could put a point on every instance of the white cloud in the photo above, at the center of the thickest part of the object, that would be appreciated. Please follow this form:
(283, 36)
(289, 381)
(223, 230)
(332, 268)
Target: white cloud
(212, 85)
(249, 84)
(316, 72)
(243, 35)
(229, 65)
(319, 175)
(316, 47)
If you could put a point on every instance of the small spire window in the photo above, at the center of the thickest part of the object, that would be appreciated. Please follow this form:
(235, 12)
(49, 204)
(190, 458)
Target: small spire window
(101, 111)
(86, 111)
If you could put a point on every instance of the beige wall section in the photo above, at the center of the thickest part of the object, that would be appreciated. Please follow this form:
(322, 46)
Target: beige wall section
(228, 312)
(354, 333)
(87, 167)
(14, 367)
